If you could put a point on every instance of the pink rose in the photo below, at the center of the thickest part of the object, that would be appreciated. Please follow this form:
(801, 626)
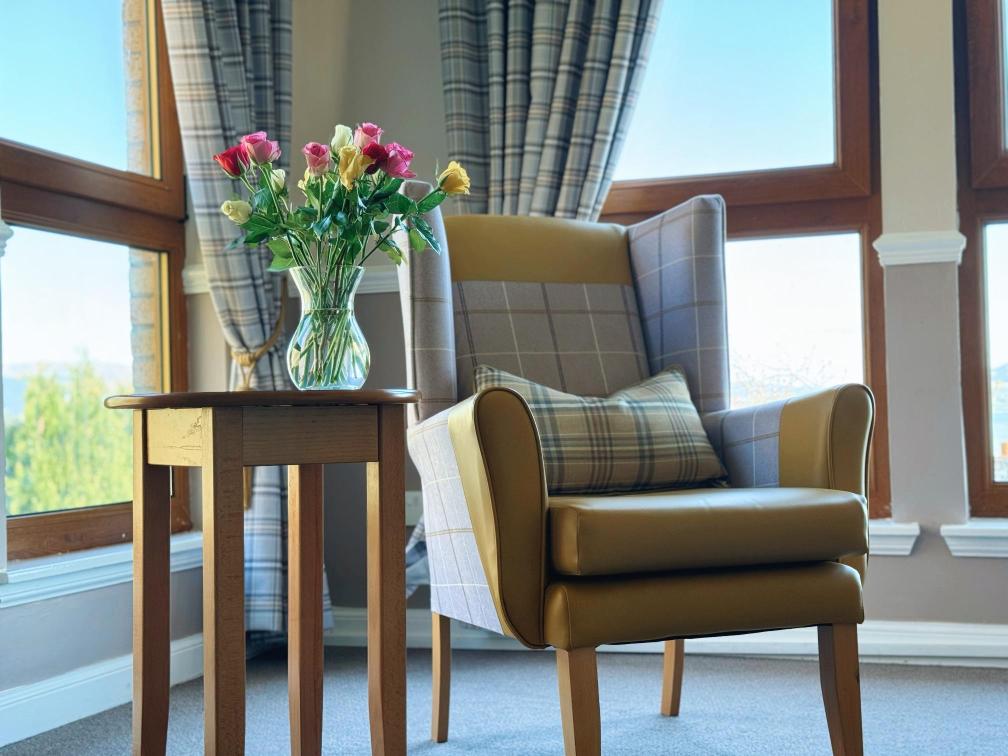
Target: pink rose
(259, 147)
(367, 133)
(397, 161)
(234, 160)
(317, 156)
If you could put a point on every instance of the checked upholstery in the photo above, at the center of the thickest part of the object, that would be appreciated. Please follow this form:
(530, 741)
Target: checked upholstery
(588, 309)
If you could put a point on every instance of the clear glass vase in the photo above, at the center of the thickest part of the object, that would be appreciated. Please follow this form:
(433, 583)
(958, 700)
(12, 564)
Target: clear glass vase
(328, 350)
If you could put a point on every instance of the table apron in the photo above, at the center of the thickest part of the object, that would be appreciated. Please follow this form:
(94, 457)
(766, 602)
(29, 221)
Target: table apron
(270, 435)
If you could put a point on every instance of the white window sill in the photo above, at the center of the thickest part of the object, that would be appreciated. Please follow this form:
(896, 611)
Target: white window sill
(62, 574)
(888, 538)
(979, 537)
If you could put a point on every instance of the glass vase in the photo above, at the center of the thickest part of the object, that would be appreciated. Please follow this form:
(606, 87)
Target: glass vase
(328, 350)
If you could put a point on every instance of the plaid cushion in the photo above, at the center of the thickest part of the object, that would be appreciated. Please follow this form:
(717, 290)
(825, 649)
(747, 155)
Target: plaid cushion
(648, 436)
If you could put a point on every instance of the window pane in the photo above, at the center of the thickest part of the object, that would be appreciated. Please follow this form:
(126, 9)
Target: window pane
(794, 315)
(81, 320)
(76, 79)
(734, 85)
(996, 246)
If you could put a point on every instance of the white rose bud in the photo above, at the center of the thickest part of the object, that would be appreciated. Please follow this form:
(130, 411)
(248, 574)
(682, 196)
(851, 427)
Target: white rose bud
(237, 210)
(278, 179)
(342, 136)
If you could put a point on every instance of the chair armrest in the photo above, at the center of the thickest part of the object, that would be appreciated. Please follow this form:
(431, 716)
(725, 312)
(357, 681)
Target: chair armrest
(819, 440)
(485, 500)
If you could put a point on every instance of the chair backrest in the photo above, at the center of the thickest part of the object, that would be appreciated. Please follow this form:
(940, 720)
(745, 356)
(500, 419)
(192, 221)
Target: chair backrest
(547, 299)
(583, 307)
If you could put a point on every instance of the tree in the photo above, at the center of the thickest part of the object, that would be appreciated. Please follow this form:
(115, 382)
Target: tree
(67, 450)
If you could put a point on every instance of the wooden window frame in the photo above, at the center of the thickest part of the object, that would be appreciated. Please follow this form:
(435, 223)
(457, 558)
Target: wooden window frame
(56, 193)
(982, 168)
(842, 197)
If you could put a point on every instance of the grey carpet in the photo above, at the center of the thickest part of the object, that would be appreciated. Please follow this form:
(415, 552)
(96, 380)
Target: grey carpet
(506, 703)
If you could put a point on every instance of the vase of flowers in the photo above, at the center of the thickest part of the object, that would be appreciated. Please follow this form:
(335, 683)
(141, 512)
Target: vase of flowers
(352, 209)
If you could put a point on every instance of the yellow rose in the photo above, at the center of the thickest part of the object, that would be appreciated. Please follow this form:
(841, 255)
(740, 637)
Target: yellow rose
(237, 210)
(352, 163)
(454, 179)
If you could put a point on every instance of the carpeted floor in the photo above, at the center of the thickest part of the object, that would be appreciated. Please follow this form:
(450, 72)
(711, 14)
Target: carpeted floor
(506, 703)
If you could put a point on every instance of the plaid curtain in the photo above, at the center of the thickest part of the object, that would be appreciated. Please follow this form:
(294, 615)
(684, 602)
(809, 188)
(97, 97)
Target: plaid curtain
(231, 69)
(538, 95)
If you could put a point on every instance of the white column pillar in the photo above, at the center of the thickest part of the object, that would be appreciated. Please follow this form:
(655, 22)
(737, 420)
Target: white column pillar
(920, 249)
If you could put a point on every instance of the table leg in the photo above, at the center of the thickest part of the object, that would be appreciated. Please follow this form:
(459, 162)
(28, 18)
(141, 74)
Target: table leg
(304, 614)
(223, 583)
(151, 531)
(386, 586)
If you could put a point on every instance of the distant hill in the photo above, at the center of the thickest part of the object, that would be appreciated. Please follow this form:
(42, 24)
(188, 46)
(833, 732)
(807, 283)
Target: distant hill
(15, 380)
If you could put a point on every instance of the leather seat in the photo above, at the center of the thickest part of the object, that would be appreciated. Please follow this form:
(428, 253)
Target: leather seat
(703, 528)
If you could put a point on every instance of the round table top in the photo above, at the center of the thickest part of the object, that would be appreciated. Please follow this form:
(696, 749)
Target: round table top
(192, 399)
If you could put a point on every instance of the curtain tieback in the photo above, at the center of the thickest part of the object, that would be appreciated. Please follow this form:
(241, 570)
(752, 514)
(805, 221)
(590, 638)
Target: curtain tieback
(246, 360)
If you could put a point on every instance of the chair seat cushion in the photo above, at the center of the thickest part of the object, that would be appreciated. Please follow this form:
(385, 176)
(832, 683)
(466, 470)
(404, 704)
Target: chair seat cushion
(704, 528)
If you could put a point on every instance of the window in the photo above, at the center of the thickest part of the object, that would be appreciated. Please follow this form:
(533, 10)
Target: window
(90, 285)
(983, 276)
(794, 315)
(773, 105)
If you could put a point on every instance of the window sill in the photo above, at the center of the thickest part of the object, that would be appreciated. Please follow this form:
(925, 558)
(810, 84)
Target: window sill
(63, 574)
(979, 537)
(888, 538)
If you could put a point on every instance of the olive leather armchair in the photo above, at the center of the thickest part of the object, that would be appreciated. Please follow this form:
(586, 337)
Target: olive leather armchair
(590, 308)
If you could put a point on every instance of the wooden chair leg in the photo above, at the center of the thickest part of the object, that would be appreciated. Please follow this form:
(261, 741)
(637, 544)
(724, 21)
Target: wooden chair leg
(672, 669)
(577, 674)
(440, 676)
(841, 687)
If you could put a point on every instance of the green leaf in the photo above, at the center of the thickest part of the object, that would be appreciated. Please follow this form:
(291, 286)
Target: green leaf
(235, 243)
(280, 247)
(423, 227)
(380, 226)
(416, 240)
(281, 263)
(431, 201)
(262, 200)
(390, 248)
(321, 227)
(385, 191)
(400, 204)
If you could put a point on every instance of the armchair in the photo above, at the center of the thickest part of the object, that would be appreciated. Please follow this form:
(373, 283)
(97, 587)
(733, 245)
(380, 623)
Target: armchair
(784, 546)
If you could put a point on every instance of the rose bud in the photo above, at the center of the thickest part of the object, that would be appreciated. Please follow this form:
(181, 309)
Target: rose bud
(317, 156)
(259, 147)
(454, 179)
(366, 134)
(237, 210)
(234, 160)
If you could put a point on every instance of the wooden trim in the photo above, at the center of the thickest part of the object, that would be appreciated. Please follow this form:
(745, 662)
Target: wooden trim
(985, 68)
(807, 201)
(56, 193)
(983, 198)
(850, 176)
(50, 171)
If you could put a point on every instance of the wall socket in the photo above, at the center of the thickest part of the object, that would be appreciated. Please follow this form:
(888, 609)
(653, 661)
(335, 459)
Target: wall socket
(414, 507)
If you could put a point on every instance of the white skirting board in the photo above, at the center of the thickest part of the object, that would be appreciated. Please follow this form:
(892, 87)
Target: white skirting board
(934, 643)
(41, 706)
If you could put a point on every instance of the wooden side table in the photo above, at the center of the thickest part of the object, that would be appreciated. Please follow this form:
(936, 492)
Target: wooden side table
(222, 433)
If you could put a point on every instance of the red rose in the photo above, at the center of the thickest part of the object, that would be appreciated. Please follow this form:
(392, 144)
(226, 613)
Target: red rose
(234, 160)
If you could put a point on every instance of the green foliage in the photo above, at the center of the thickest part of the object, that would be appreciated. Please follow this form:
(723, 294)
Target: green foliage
(68, 450)
(336, 226)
